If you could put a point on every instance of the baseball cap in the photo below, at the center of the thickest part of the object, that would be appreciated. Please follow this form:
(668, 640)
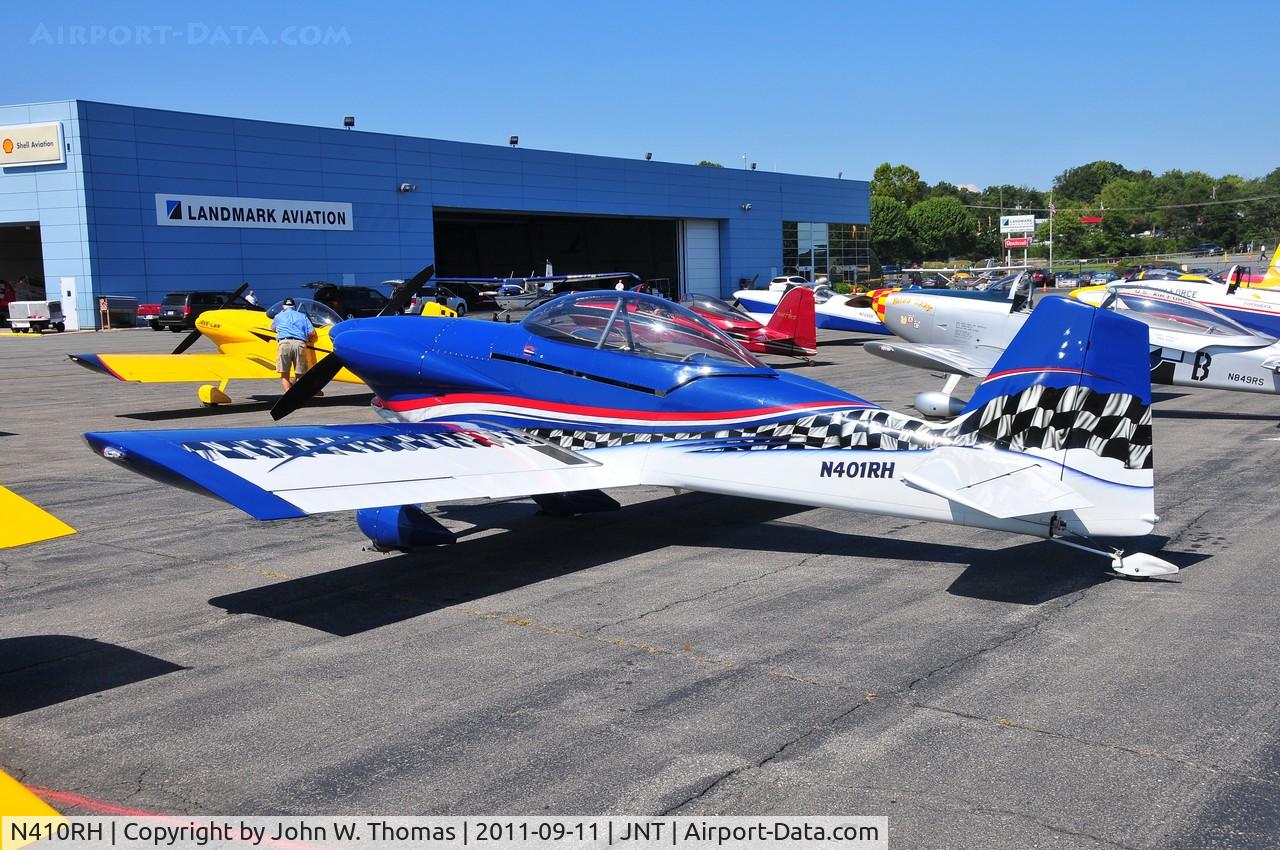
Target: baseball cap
(288, 302)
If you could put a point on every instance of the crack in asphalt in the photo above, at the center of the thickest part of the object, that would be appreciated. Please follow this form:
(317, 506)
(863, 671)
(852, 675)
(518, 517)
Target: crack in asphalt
(970, 808)
(1121, 748)
(673, 603)
(774, 754)
(1025, 629)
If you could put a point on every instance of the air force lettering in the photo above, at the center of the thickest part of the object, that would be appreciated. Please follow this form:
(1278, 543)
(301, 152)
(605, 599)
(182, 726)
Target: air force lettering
(214, 211)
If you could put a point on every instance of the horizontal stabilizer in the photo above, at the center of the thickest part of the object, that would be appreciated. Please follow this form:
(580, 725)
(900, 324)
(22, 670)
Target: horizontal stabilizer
(997, 483)
(279, 472)
(975, 362)
(177, 368)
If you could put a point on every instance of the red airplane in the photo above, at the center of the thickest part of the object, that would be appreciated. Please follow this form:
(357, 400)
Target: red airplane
(791, 332)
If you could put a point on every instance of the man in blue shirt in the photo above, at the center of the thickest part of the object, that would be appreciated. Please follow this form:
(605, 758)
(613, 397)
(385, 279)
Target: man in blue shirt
(293, 332)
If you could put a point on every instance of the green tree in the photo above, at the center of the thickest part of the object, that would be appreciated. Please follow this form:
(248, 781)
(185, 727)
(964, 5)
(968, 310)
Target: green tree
(890, 234)
(706, 163)
(942, 227)
(900, 182)
(1084, 182)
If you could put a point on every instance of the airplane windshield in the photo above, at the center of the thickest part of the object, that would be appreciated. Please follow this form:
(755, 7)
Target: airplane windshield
(715, 306)
(320, 315)
(637, 324)
(1162, 311)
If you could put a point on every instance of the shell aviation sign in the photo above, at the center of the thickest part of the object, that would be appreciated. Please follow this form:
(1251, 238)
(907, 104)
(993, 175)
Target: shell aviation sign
(31, 144)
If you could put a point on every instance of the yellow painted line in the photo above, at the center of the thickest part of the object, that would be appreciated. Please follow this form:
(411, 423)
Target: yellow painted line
(26, 523)
(18, 802)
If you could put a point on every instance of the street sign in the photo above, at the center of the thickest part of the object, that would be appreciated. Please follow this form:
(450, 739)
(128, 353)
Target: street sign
(1017, 224)
(1017, 242)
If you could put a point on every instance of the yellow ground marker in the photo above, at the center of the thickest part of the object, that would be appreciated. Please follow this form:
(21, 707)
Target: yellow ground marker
(18, 802)
(25, 523)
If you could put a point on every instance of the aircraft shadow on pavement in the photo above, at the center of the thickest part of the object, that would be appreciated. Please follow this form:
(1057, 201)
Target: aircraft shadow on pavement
(1216, 414)
(1157, 397)
(260, 404)
(42, 670)
(392, 589)
(7, 434)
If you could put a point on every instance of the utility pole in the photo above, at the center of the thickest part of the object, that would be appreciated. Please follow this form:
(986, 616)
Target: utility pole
(1051, 212)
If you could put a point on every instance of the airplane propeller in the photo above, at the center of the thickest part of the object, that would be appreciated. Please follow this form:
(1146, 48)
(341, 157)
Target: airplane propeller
(190, 339)
(317, 377)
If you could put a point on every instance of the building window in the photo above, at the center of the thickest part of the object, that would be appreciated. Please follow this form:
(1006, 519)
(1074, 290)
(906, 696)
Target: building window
(837, 251)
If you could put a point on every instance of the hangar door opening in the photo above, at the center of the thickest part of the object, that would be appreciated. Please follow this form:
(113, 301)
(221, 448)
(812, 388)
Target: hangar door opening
(21, 261)
(483, 244)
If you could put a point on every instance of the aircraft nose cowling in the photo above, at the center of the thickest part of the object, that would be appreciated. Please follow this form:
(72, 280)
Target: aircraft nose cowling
(392, 359)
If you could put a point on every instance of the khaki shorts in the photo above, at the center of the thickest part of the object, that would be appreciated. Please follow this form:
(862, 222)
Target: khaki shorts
(292, 353)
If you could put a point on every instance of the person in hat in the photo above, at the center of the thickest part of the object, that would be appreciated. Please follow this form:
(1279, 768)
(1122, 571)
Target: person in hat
(294, 332)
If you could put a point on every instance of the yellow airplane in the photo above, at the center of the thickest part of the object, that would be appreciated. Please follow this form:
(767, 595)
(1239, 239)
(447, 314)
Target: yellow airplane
(27, 523)
(246, 346)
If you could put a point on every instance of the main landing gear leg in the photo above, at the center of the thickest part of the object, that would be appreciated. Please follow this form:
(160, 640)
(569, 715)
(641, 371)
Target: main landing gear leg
(211, 396)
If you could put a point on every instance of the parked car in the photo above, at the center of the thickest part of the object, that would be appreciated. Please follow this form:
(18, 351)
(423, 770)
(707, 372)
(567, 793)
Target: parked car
(1206, 249)
(1068, 279)
(1042, 277)
(149, 314)
(440, 294)
(179, 310)
(349, 302)
(1099, 278)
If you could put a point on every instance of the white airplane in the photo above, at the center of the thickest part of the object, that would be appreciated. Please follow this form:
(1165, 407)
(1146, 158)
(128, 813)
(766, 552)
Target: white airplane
(1191, 345)
(834, 311)
(1255, 306)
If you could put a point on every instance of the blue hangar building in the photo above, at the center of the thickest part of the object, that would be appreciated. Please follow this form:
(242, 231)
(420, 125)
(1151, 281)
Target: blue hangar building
(101, 199)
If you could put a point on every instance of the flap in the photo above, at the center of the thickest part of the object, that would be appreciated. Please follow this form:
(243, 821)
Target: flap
(997, 483)
(278, 472)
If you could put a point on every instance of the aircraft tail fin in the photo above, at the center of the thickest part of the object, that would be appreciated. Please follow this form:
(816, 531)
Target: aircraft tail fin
(1074, 388)
(796, 317)
(1271, 279)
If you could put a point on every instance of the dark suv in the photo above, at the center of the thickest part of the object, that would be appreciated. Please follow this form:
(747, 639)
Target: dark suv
(359, 302)
(179, 310)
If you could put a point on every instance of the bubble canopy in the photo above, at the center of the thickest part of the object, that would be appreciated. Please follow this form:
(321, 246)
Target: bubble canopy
(636, 324)
(320, 315)
(1164, 311)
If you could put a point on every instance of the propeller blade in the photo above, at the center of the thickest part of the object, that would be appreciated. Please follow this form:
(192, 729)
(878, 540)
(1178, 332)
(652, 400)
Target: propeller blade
(400, 300)
(238, 299)
(313, 381)
(187, 341)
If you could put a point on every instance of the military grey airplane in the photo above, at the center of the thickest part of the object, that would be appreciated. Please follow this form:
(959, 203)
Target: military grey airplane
(1191, 345)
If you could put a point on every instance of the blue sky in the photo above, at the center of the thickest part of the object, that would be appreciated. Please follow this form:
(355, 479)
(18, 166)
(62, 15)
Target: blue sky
(971, 92)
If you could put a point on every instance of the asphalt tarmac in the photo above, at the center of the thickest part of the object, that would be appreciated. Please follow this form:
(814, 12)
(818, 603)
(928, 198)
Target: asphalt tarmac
(689, 654)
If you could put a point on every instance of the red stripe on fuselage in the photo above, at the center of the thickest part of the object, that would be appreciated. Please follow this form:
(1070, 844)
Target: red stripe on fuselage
(603, 412)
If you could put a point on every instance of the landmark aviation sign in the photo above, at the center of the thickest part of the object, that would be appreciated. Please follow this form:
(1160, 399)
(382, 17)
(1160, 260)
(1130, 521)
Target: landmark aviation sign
(214, 211)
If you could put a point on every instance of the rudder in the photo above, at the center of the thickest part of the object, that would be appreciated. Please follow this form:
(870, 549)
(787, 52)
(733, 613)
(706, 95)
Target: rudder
(796, 317)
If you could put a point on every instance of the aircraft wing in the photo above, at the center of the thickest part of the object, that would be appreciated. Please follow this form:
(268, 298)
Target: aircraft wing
(27, 523)
(999, 484)
(280, 472)
(975, 362)
(178, 368)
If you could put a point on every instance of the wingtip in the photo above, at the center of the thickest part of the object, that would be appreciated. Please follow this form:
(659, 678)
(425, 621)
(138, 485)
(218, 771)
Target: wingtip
(94, 362)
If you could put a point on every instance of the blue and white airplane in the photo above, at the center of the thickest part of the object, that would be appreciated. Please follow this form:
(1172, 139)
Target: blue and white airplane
(615, 388)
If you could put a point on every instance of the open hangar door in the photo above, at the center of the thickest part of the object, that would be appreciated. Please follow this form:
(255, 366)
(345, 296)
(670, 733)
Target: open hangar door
(21, 259)
(491, 244)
